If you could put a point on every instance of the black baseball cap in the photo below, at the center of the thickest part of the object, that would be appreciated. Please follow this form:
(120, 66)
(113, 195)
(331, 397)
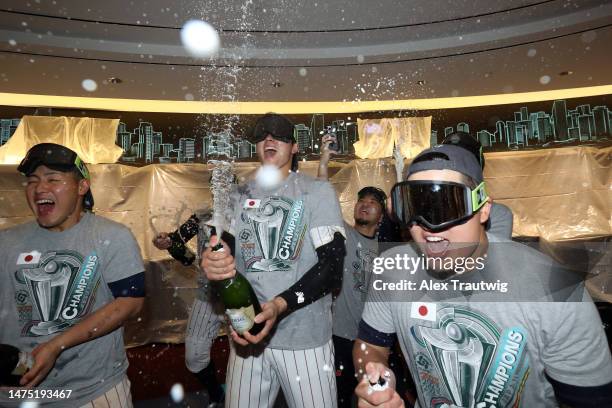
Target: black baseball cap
(447, 157)
(56, 157)
(375, 192)
(276, 125)
(464, 140)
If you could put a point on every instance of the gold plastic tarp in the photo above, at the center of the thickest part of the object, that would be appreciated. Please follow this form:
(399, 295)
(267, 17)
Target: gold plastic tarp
(92, 138)
(559, 195)
(378, 136)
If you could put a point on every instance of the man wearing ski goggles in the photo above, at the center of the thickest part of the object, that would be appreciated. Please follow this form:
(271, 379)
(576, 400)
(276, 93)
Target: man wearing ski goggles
(59, 158)
(446, 207)
(444, 190)
(439, 204)
(436, 205)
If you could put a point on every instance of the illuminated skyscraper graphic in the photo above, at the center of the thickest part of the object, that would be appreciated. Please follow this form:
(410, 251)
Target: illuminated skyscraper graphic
(317, 125)
(582, 124)
(304, 138)
(559, 119)
(7, 128)
(186, 150)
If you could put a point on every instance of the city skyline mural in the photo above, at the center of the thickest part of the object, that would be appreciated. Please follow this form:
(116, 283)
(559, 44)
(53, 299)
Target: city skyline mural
(185, 140)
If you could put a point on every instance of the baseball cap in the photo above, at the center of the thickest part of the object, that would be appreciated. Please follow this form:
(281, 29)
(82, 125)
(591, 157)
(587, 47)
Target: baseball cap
(375, 192)
(436, 204)
(447, 157)
(273, 124)
(464, 140)
(56, 157)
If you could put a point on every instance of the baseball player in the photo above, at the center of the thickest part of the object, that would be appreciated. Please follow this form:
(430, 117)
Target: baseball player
(499, 325)
(205, 318)
(289, 244)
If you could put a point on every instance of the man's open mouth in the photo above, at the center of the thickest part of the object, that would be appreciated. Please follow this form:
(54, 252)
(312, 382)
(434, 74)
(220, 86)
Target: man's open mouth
(45, 206)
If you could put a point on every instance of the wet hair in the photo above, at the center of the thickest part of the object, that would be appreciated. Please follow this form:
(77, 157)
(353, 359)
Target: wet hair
(294, 163)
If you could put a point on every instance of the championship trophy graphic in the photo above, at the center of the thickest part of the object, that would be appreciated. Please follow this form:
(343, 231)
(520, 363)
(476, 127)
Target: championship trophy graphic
(460, 358)
(267, 225)
(48, 284)
(462, 350)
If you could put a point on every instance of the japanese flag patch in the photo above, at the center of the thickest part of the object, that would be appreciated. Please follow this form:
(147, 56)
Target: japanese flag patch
(423, 311)
(28, 258)
(252, 203)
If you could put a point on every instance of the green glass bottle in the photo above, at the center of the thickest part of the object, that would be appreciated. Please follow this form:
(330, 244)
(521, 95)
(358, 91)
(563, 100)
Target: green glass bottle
(240, 302)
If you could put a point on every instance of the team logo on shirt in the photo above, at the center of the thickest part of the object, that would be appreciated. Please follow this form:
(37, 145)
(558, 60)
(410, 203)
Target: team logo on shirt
(55, 291)
(464, 360)
(277, 227)
(361, 266)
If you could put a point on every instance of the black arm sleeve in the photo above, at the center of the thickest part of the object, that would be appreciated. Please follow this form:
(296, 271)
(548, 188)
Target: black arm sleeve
(180, 237)
(188, 230)
(370, 335)
(582, 397)
(132, 286)
(324, 277)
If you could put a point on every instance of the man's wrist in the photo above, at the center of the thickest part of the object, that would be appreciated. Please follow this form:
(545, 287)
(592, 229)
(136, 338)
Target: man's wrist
(281, 304)
(57, 345)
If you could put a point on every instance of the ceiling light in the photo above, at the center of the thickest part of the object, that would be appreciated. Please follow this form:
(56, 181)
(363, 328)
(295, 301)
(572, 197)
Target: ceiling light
(421, 82)
(566, 73)
(114, 80)
(295, 107)
(276, 84)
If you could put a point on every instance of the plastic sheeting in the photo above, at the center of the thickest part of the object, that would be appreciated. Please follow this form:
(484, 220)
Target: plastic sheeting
(378, 136)
(559, 195)
(92, 138)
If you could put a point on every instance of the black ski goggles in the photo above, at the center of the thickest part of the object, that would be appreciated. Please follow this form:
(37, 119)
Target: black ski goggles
(53, 156)
(279, 127)
(436, 205)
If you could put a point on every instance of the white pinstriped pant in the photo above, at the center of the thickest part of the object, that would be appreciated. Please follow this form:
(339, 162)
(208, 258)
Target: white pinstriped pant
(117, 397)
(307, 378)
(202, 329)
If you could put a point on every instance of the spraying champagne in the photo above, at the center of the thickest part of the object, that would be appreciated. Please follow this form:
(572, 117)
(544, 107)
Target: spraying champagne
(14, 363)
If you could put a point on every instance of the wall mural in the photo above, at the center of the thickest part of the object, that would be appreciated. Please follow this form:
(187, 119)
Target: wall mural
(561, 125)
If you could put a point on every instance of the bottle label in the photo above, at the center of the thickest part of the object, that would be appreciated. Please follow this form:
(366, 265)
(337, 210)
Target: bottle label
(241, 319)
(26, 361)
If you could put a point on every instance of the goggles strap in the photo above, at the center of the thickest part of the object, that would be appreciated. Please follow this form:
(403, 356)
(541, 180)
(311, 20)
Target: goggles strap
(82, 169)
(479, 197)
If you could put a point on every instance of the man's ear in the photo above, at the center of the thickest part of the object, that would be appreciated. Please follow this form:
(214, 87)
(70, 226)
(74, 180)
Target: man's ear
(84, 186)
(294, 148)
(485, 211)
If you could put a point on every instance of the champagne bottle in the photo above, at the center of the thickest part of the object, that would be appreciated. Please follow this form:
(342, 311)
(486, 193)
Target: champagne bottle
(240, 302)
(14, 363)
(179, 250)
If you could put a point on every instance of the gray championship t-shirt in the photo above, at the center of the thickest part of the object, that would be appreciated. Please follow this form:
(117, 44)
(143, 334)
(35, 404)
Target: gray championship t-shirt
(49, 281)
(277, 232)
(348, 306)
(468, 353)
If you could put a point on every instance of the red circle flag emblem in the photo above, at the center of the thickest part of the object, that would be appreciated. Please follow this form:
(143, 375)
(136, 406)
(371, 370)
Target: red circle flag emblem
(251, 203)
(423, 310)
(28, 258)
